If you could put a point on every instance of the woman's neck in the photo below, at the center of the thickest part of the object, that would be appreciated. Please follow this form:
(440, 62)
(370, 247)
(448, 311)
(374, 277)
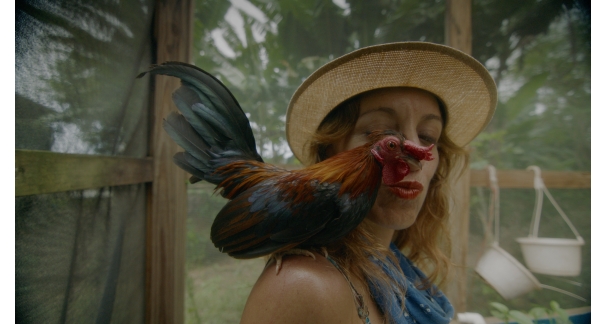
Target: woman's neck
(383, 234)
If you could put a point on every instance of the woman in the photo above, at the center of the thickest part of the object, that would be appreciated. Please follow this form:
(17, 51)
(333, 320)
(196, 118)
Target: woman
(430, 93)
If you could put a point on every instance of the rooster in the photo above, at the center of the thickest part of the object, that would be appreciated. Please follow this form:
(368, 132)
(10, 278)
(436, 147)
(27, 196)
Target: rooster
(273, 211)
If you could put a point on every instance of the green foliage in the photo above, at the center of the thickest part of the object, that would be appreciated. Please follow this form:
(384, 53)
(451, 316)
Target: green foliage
(543, 116)
(560, 315)
(501, 311)
(203, 205)
(520, 317)
(541, 68)
(217, 293)
(555, 314)
(538, 312)
(196, 242)
(281, 42)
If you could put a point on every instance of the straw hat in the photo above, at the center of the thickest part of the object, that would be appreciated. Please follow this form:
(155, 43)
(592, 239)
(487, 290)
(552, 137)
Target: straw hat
(462, 83)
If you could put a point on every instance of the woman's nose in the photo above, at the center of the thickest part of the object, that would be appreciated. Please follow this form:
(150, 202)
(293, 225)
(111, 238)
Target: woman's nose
(411, 136)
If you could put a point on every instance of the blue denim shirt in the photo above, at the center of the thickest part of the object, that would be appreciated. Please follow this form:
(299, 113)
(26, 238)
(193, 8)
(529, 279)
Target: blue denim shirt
(422, 306)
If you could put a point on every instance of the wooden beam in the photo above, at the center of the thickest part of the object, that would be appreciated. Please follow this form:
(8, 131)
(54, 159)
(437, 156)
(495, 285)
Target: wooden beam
(458, 35)
(167, 200)
(456, 288)
(522, 179)
(41, 172)
(525, 179)
(458, 25)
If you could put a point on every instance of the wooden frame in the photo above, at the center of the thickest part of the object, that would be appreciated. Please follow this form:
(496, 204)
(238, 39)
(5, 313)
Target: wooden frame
(167, 195)
(40, 172)
(458, 35)
(524, 179)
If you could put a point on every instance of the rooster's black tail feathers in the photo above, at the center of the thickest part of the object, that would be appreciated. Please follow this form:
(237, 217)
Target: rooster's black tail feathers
(212, 128)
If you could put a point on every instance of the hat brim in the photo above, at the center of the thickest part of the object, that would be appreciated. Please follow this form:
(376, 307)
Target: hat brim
(465, 87)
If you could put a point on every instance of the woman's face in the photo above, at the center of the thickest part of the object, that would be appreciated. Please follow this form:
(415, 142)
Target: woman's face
(414, 113)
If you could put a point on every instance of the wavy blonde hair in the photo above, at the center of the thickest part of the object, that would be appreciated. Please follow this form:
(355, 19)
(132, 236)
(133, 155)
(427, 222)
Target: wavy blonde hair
(425, 242)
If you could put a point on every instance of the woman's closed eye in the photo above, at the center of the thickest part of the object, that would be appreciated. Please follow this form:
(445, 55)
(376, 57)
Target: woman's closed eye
(368, 132)
(427, 139)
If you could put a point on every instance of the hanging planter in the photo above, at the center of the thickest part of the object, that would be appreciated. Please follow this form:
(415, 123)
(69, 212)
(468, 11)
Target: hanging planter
(500, 269)
(496, 266)
(551, 256)
(505, 274)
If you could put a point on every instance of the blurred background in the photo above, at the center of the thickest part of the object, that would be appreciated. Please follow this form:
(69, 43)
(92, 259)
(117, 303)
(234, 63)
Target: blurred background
(537, 51)
(76, 62)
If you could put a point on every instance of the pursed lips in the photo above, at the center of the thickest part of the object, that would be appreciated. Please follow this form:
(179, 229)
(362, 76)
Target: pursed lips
(406, 189)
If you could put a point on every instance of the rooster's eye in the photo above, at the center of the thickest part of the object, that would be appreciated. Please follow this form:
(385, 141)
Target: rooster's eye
(391, 145)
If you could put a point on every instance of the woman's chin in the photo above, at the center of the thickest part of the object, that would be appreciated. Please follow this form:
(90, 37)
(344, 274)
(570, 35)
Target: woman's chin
(394, 219)
(392, 211)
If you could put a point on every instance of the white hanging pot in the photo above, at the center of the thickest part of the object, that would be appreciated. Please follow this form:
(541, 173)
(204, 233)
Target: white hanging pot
(500, 269)
(551, 256)
(505, 274)
(497, 267)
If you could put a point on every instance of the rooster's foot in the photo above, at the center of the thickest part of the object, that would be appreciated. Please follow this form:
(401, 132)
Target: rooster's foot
(278, 256)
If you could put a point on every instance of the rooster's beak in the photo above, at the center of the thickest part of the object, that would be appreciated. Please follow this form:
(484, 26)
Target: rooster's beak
(414, 164)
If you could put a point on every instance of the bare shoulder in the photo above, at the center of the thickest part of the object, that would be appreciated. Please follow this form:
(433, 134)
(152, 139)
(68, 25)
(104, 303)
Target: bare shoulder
(305, 291)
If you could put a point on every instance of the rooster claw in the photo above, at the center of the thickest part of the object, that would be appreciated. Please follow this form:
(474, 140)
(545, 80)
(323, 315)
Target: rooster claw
(278, 256)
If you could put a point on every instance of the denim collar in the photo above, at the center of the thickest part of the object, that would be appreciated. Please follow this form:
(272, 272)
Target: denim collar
(422, 306)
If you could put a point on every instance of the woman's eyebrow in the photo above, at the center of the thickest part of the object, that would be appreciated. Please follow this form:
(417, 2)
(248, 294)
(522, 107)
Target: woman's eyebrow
(387, 110)
(432, 117)
(392, 113)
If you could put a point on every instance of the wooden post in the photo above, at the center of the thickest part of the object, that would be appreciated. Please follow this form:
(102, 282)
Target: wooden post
(167, 200)
(458, 35)
(458, 25)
